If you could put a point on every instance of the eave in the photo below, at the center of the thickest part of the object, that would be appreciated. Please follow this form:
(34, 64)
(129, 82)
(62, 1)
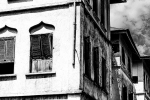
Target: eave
(117, 1)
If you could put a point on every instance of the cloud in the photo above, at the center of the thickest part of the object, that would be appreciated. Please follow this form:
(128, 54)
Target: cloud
(134, 15)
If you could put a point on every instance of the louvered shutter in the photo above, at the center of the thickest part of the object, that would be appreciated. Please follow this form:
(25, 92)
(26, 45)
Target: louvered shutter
(2, 50)
(45, 45)
(9, 49)
(35, 47)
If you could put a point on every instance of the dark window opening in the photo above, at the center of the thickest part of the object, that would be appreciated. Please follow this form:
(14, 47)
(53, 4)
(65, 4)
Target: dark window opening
(135, 79)
(129, 65)
(103, 12)
(104, 74)
(123, 56)
(124, 93)
(41, 52)
(96, 64)
(115, 48)
(131, 96)
(7, 55)
(7, 68)
(87, 56)
(95, 6)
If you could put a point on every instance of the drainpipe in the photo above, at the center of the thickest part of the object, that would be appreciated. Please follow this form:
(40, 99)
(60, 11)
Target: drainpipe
(74, 41)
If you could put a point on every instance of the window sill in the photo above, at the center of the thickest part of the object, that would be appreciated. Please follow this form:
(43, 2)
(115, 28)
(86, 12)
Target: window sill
(7, 77)
(40, 75)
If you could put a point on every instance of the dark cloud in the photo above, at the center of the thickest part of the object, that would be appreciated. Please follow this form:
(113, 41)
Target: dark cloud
(134, 15)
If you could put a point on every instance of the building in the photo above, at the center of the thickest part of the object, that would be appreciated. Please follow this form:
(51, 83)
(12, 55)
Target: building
(141, 73)
(125, 55)
(55, 49)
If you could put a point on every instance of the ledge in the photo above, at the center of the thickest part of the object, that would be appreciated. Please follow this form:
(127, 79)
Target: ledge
(7, 77)
(40, 75)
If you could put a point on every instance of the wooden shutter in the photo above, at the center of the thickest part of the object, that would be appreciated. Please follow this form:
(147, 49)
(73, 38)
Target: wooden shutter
(2, 50)
(9, 49)
(35, 47)
(45, 45)
(51, 46)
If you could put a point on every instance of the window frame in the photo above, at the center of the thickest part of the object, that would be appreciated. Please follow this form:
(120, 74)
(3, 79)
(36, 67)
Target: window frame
(96, 65)
(87, 70)
(41, 50)
(6, 61)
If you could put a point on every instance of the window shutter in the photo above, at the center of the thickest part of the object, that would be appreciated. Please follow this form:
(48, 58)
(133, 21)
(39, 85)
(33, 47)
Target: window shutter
(45, 45)
(35, 47)
(10, 49)
(51, 45)
(2, 50)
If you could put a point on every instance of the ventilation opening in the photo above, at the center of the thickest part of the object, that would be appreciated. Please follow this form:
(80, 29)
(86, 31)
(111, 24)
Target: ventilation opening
(6, 68)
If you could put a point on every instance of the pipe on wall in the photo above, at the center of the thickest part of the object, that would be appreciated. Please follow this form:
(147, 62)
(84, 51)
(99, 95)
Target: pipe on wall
(74, 41)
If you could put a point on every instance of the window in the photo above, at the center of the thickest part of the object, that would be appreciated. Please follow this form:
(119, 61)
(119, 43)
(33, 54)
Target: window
(87, 56)
(115, 48)
(95, 6)
(129, 65)
(130, 96)
(103, 12)
(96, 64)
(7, 46)
(104, 74)
(41, 52)
(123, 56)
(124, 93)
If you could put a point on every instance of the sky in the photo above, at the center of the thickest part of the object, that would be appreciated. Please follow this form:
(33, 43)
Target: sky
(135, 16)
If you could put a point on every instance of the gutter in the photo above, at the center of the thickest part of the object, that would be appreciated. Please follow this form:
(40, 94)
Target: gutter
(74, 41)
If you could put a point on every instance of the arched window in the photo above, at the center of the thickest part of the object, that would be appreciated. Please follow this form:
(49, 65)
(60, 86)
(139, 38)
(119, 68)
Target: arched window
(41, 49)
(7, 49)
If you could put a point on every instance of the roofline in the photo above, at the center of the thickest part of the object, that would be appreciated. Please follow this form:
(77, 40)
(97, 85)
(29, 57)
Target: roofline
(130, 38)
(144, 57)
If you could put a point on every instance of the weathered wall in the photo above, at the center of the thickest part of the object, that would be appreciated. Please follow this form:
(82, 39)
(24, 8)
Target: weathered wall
(128, 53)
(121, 76)
(119, 80)
(89, 28)
(65, 78)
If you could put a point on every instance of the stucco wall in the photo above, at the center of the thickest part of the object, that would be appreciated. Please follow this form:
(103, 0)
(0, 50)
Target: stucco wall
(5, 5)
(66, 78)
